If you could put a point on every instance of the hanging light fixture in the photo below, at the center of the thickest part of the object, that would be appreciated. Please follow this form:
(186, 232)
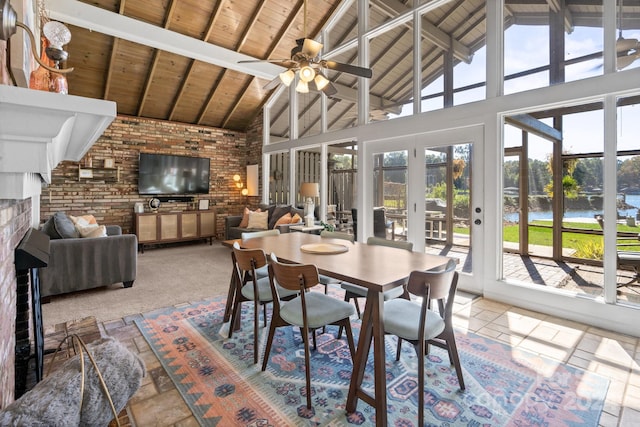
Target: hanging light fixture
(306, 73)
(287, 77)
(302, 87)
(320, 81)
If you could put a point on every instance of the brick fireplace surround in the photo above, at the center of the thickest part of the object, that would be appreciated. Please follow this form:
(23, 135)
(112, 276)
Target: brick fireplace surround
(15, 221)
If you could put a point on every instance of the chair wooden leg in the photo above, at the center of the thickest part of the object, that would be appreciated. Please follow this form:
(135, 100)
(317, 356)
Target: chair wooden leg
(256, 326)
(264, 314)
(349, 331)
(267, 350)
(421, 356)
(347, 297)
(398, 349)
(235, 314)
(452, 349)
(307, 363)
(315, 344)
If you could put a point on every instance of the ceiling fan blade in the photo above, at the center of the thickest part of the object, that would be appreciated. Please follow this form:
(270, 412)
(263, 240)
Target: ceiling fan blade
(623, 44)
(348, 68)
(272, 84)
(625, 60)
(328, 89)
(249, 61)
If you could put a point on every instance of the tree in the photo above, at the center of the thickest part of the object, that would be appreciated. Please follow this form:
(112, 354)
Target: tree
(628, 173)
(570, 186)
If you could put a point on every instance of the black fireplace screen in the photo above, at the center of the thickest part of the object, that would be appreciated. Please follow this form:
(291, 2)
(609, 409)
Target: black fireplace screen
(31, 253)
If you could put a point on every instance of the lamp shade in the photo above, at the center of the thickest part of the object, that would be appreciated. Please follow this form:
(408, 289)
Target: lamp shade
(310, 189)
(287, 77)
(302, 87)
(320, 81)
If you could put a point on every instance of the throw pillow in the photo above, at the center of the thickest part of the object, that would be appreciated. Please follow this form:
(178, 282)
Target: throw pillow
(258, 220)
(92, 230)
(296, 219)
(83, 219)
(245, 218)
(284, 219)
(276, 214)
(59, 226)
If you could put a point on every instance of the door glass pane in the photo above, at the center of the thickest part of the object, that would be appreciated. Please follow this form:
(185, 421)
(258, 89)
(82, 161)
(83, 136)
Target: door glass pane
(511, 202)
(279, 177)
(390, 195)
(628, 200)
(342, 165)
(447, 203)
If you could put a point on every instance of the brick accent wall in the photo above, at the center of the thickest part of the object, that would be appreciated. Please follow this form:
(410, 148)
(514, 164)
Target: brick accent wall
(15, 221)
(124, 139)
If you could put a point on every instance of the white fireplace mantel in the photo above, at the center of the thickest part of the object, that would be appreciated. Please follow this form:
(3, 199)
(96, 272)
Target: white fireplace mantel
(40, 129)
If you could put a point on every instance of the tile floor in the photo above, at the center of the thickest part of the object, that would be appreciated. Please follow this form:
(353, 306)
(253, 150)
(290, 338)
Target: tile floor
(615, 356)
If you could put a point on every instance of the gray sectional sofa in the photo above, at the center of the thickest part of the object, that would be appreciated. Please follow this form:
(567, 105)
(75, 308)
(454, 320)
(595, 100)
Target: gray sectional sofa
(234, 231)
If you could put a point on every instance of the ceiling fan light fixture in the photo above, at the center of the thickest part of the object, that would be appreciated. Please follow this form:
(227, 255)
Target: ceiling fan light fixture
(311, 47)
(287, 77)
(307, 73)
(320, 81)
(302, 87)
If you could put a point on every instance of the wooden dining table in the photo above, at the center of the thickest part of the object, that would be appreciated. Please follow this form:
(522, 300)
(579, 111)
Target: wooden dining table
(377, 268)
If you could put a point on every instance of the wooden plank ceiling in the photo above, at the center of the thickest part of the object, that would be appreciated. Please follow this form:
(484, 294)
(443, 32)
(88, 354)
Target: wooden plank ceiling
(152, 82)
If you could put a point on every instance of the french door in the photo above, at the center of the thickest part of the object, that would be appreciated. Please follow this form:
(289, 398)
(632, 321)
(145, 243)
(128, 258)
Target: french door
(431, 188)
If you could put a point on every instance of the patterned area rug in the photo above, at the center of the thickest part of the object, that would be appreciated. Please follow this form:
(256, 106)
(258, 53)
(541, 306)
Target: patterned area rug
(217, 378)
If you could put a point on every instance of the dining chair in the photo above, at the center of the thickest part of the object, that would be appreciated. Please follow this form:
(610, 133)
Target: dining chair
(422, 325)
(352, 291)
(262, 271)
(308, 310)
(252, 288)
(354, 222)
(381, 225)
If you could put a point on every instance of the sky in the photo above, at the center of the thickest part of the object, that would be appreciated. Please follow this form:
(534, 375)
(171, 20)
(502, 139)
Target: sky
(582, 132)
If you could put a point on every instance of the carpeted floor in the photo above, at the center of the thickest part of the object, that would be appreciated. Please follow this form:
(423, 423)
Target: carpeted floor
(218, 379)
(165, 276)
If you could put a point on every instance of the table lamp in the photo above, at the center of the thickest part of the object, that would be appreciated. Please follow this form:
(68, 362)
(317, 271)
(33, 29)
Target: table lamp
(309, 190)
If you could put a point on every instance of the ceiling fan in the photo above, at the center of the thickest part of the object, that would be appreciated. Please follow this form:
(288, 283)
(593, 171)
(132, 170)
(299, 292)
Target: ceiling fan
(627, 50)
(306, 64)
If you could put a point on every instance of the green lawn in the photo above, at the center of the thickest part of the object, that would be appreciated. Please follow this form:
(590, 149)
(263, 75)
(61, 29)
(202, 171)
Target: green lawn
(586, 245)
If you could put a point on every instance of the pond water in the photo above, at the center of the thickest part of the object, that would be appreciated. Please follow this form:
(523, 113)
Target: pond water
(631, 199)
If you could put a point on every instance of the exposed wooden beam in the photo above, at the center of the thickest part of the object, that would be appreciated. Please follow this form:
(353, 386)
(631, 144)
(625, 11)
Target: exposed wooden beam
(155, 60)
(96, 19)
(249, 27)
(93, 18)
(210, 98)
(534, 126)
(180, 92)
(114, 48)
(148, 80)
(236, 103)
(435, 35)
(209, 29)
(285, 28)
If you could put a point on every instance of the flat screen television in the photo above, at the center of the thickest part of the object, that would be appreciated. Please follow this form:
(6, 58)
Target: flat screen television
(169, 174)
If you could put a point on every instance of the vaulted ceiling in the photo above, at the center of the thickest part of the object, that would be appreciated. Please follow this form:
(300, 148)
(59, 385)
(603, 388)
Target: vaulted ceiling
(178, 60)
